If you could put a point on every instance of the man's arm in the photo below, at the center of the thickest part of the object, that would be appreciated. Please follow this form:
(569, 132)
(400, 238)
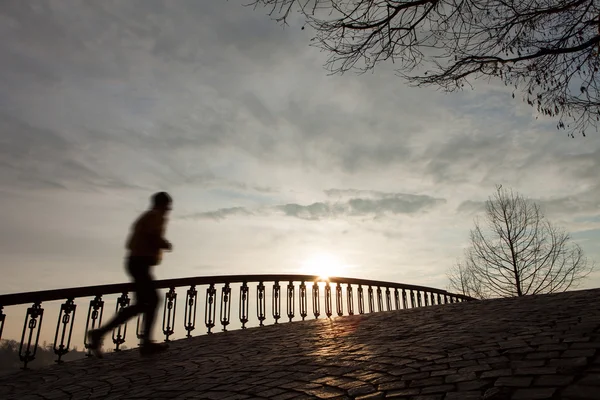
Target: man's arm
(156, 231)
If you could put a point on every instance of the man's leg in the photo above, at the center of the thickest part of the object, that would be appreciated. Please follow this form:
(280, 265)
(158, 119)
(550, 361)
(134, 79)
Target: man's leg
(149, 303)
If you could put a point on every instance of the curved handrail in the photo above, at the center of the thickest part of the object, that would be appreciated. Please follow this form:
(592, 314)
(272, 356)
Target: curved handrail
(89, 291)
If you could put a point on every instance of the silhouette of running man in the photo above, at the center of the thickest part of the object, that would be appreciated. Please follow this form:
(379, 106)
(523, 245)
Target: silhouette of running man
(145, 245)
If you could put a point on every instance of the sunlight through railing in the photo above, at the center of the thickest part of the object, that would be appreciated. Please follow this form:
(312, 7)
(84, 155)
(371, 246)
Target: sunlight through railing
(387, 296)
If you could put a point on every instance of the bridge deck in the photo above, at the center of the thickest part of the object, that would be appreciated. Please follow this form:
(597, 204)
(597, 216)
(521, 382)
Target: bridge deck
(543, 347)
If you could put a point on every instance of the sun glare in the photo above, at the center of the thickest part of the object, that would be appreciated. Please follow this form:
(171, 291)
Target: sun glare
(324, 265)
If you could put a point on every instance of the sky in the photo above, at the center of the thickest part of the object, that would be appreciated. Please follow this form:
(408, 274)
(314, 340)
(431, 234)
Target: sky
(274, 165)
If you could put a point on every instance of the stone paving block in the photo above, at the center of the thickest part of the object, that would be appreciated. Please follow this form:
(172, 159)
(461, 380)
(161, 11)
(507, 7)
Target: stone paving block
(467, 376)
(590, 380)
(427, 382)
(361, 390)
(578, 353)
(553, 380)
(514, 381)
(392, 385)
(533, 394)
(580, 392)
(471, 395)
(437, 389)
(497, 373)
(536, 371)
(403, 393)
(474, 385)
(449, 371)
(372, 396)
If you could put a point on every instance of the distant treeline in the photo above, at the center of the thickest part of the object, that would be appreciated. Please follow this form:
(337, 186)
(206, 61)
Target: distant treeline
(9, 356)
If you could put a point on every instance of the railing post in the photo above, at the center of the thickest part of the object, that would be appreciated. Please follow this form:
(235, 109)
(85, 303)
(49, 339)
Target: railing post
(371, 300)
(260, 303)
(31, 323)
(445, 298)
(64, 317)
(291, 291)
(439, 299)
(339, 300)
(276, 301)
(316, 299)
(412, 299)
(95, 311)
(118, 338)
(244, 303)
(350, 299)
(328, 305)
(419, 302)
(189, 314)
(169, 310)
(302, 298)
(361, 300)
(139, 326)
(225, 311)
(388, 298)
(397, 298)
(210, 308)
(379, 299)
(404, 300)
(2, 318)
(426, 298)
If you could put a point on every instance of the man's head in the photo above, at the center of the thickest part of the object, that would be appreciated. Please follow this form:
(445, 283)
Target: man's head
(161, 201)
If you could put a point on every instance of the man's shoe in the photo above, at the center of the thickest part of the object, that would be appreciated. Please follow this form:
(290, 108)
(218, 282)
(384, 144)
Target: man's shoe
(150, 348)
(95, 342)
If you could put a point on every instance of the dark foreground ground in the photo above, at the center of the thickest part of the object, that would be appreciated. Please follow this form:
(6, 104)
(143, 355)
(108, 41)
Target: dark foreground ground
(544, 347)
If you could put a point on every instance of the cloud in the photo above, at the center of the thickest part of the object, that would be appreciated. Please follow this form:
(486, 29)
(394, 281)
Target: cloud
(381, 205)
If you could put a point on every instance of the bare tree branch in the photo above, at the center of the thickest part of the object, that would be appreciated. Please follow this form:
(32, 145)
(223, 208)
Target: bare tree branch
(549, 50)
(517, 252)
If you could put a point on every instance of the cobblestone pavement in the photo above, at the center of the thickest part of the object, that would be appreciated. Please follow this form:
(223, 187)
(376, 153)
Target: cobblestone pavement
(542, 347)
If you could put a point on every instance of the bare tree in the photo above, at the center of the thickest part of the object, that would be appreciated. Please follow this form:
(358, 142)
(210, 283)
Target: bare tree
(546, 49)
(515, 251)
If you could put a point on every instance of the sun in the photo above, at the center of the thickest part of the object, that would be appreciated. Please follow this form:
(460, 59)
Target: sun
(324, 265)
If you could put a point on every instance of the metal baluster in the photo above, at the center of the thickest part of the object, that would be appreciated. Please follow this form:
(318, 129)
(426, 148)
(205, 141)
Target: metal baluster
(426, 298)
(350, 299)
(244, 303)
(419, 304)
(371, 300)
(328, 311)
(361, 300)
(388, 298)
(210, 308)
(439, 299)
(302, 298)
(291, 292)
(31, 322)
(412, 299)
(189, 316)
(404, 299)
(445, 298)
(316, 299)
(432, 298)
(339, 300)
(397, 298)
(95, 311)
(379, 299)
(276, 303)
(2, 318)
(225, 312)
(120, 332)
(169, 310)
(66, 316)
(260, 303)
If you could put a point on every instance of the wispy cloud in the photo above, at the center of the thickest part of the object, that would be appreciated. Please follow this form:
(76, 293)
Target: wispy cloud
(379, 205)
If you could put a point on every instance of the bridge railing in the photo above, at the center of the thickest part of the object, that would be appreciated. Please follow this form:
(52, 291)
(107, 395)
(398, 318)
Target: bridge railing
(326, 296)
